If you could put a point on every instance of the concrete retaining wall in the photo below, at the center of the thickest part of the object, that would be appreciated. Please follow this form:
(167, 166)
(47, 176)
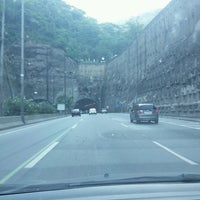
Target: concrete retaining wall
(13, 121)
(162, 65)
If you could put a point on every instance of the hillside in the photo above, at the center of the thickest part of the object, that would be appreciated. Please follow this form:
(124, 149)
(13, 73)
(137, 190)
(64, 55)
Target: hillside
(62, 26)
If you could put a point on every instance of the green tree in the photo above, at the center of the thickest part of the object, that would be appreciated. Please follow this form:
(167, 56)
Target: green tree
(45, 108)
(12, 107)
(69, 101)
(63, 26)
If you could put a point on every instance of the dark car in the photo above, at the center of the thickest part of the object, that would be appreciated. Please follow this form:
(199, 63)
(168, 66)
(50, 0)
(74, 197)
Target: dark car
(76, 112)
(144, 112)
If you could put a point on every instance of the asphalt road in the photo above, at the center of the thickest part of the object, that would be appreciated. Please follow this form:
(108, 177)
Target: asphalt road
(102, 145)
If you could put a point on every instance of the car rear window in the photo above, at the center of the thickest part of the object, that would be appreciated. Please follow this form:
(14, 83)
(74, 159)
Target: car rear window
(146, 107)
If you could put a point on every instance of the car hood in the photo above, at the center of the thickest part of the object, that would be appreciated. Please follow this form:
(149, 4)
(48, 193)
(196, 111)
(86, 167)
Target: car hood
(106, 181)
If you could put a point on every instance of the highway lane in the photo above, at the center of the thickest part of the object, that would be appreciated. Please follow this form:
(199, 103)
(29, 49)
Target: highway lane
(93, 146)
(18, 145)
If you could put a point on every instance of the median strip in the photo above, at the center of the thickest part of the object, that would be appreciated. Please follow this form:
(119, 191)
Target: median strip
(176, 154)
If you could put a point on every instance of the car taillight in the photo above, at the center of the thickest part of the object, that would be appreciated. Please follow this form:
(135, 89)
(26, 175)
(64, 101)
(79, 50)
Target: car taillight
(139, 111)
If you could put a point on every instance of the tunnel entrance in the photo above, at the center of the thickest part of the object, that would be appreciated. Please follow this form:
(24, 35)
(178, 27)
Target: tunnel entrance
(85, 104)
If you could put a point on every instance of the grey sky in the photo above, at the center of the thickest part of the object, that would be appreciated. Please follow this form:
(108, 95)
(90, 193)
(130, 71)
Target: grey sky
(116, 10)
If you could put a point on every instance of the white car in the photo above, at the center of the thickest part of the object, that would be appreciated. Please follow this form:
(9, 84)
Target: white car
(92, 111)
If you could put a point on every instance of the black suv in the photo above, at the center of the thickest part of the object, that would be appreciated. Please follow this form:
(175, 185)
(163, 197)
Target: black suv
(76, 111)
(144, 112)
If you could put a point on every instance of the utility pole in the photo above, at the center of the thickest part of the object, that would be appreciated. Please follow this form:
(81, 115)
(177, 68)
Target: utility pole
(65, 90)
(22, 63)
(47, 75)
(72, 86)
(2, 59)
(53, 88)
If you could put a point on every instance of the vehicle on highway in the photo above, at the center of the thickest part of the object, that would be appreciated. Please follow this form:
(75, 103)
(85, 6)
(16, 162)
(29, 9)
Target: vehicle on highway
(62, 70)
(76, 112)
(104, 110)
(92, 111)
(144, 113)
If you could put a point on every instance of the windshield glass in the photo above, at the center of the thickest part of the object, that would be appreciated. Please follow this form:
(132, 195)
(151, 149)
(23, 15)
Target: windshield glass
(146, 107)
(84, 97)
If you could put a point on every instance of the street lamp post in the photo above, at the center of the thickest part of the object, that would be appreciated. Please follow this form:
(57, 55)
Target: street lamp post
(47, 75)
(2, 58)
(65, 90)
(22, 63)
(72, 88)
(53, 89)
(70, 76)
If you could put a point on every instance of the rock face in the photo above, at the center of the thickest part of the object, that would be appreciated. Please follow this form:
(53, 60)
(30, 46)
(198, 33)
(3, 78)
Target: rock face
(45, 69)
(48, 71)
(90, 82)
(162, 65)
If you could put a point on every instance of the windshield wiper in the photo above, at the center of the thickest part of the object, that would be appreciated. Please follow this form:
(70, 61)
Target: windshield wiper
(18, 189)
(183, 178)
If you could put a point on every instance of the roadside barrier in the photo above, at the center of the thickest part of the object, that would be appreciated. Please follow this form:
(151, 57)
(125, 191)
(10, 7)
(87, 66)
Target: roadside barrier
(14, 121)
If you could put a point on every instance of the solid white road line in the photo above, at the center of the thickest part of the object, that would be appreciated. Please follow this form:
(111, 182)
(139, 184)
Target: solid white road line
(27, 163)
(74, 126)
(48, 149)
(124, 125)
(175, 154)
(183, 125)
(18, 129)
(41, 155)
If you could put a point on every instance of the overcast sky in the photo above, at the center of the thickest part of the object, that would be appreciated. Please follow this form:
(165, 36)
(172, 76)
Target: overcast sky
(116, 10)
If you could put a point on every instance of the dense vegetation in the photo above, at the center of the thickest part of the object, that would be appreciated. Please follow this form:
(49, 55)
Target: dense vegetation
(60, 25)
(12, 107)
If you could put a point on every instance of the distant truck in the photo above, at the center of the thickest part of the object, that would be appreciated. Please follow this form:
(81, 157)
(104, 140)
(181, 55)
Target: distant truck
(92, 111)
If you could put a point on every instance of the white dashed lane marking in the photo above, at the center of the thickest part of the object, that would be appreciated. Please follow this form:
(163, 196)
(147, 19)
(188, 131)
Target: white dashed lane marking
(124, 125)
(175, 154)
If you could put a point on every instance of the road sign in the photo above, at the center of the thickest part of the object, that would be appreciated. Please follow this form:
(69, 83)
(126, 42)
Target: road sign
(60, 107)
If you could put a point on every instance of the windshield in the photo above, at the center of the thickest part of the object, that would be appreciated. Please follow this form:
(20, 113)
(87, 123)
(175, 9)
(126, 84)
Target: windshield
(86, 99)
(146, 107)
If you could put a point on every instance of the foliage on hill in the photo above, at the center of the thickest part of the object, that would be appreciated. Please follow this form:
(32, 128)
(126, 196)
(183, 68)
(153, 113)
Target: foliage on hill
(12, 107)
(60, 25)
